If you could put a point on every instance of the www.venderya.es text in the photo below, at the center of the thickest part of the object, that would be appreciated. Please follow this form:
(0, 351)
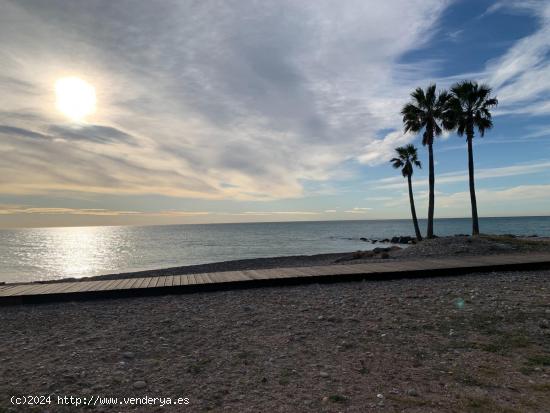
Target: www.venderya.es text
(95, 400)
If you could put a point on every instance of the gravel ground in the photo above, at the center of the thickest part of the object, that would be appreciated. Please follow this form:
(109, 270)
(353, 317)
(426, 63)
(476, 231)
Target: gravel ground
(477, 343)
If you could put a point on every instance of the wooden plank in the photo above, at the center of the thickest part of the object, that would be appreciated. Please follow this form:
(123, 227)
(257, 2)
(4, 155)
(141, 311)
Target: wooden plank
(134, 281)
(105, 285)
(141, 282)
(60, 287)
(6, 287)
(76, 287)
(125, 284)
(231, 276)
(18, 289)
(118, 284)
(35, 288)
(92, 286)
(149, 282)
(164, 281)
(176, 280)
(203, 279)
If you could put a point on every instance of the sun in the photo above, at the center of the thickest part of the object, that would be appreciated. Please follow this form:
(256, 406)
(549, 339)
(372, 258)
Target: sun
(75, 98)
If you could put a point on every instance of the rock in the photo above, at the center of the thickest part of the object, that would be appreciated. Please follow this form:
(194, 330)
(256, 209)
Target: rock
(384, 255)
(323, 374)
(401, 240)
(374, 241)
(320, 317)
(412, 392)
(140, 384)
(544, 324)
(128, 355)
(380, 396)
(363, 239)
(385, 240)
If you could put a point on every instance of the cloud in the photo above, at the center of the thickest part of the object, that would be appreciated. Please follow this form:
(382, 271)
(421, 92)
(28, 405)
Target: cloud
(87, 133)
(262, 213)
(520, 76)
(357, 210)
(15, 131)
(462, 176)
(233, 100)
(90, 133)
(21, 209)
(380, 151)
(496, 199)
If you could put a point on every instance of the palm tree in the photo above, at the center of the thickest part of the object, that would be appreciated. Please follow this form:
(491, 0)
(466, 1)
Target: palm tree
(425, 111)
(407, 159)
(469, 109)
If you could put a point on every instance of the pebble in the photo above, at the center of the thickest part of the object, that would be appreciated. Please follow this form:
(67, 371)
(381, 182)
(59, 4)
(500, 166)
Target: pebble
(128, 355)
(544, 324)
(140, 384)
(412, 392)
(323, 374)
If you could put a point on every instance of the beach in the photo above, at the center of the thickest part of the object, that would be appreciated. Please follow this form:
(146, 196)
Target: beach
(462, 343)
(457, 344)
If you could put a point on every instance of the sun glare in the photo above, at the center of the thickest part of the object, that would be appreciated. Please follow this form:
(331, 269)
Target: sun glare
(75, 98)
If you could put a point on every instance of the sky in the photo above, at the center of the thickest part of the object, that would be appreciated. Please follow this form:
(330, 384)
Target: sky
(245, 111)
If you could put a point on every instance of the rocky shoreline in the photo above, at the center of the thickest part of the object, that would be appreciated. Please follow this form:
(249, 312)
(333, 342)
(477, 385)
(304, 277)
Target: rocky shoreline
(461, 245)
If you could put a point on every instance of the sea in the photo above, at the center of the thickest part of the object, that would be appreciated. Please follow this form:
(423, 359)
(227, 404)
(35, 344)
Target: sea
(33, 254)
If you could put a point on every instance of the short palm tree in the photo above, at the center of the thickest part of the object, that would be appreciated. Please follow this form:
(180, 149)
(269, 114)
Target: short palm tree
(468, 109)
(407, 159)
(425, 112)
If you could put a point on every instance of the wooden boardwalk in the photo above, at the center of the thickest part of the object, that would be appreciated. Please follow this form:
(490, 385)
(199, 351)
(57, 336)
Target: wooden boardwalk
(177, 284)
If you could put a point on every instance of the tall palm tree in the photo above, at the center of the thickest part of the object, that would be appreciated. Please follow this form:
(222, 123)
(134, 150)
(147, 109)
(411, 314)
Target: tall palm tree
(407, 159)
(468, 109)
(425, 111)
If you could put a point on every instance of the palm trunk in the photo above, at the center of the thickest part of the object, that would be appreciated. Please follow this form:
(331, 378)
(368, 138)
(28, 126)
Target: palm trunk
(475, 220)
(430, 232)
(413, 210)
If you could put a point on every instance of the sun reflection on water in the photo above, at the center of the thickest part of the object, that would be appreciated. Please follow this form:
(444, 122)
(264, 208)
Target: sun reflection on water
(74, 251)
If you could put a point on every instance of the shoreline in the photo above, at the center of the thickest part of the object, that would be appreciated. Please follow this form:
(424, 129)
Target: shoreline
(454, 246)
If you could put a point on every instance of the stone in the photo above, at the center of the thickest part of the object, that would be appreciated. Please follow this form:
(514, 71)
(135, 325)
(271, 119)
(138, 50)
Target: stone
(544, 324)
(128, 355)
(140, 384)
(323, 374)
(412, 392)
